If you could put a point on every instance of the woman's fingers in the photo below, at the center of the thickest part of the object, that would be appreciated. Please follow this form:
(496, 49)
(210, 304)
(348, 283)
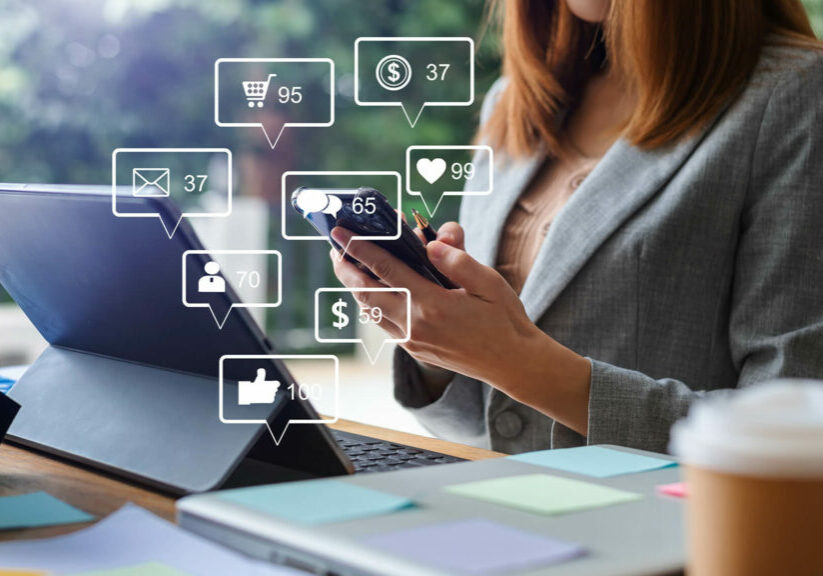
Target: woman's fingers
(350, 275)
(382, 264)
(392, 305)
(451, 233)
(464, 270)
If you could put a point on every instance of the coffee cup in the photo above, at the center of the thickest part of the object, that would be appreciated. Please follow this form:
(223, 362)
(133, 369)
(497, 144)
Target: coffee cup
(753, 465)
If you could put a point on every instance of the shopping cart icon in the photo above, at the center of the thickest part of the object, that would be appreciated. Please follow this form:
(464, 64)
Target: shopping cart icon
(256, 91)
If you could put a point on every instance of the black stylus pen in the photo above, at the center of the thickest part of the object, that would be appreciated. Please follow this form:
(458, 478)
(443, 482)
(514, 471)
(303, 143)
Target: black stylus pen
(428, 232)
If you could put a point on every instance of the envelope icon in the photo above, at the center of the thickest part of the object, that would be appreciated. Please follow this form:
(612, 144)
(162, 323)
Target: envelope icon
(150, 182)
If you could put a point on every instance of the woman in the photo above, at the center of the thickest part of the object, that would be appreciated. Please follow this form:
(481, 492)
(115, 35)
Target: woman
(655, 234)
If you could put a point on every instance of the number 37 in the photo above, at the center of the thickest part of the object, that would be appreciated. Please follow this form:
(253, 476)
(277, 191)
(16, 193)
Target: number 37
(195, 182)
(436, 71)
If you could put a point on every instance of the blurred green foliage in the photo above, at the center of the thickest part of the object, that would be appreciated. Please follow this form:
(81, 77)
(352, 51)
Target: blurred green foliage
(79, 78)
(815, 10)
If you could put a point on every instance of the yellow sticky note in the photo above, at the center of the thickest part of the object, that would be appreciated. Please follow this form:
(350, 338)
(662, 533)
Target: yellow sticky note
(542, 493)
(145, 569)
(8, 572)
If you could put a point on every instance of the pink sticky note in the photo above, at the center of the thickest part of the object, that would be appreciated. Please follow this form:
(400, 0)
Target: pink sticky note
(676, 490)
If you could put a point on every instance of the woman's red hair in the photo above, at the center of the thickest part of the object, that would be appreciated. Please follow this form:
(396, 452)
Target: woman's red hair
(683, 60)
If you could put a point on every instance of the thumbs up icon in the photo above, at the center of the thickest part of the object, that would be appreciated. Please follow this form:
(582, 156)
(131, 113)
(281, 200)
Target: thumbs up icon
(257, 391)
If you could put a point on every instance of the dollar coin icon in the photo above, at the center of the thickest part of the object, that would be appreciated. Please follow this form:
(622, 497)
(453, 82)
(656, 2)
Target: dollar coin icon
(393, 72)
(338, 309)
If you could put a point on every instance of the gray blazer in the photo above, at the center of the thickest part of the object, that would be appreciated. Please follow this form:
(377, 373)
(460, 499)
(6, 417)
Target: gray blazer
(680, 272)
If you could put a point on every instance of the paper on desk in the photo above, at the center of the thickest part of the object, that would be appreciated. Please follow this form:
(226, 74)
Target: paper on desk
(476, 547)
(316, 501)
(144, 569)
(595, 461)
(37, 509)
(543, 494)
(128, 537)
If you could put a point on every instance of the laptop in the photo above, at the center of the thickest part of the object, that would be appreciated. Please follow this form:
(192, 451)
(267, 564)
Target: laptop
(128, 383)
(642, 537)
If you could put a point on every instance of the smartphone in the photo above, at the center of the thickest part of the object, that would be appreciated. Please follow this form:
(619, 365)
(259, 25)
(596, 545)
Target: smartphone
(365, 212)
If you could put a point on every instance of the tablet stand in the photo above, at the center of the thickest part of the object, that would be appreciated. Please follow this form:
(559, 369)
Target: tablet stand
(150, 425)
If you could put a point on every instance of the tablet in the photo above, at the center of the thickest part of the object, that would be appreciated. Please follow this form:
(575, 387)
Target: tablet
(97, 285)
(93, 282)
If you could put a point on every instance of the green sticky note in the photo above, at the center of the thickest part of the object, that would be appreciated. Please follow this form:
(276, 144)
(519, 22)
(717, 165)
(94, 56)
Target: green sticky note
(37, 509)
(316, 501)
(595, 461)
(543, 494)
(145, 569)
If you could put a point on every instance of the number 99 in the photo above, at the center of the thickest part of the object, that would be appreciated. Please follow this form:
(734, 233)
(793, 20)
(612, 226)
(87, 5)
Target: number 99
(460, 171)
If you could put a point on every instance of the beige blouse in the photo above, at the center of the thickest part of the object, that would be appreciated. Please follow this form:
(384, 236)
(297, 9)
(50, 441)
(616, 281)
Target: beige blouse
(533, 213)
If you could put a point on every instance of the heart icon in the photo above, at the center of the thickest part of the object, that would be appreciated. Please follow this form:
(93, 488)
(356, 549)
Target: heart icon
(431, 169)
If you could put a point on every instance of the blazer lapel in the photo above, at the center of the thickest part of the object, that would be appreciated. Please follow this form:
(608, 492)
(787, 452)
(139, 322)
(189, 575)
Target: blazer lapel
(623, 181)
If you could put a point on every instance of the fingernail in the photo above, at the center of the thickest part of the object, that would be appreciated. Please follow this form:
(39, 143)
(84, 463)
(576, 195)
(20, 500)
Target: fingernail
(446, 237)
(436, 250)
(340, 235)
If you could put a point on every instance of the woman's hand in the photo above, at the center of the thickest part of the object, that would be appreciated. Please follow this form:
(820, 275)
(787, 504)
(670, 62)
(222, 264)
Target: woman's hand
(479, 329)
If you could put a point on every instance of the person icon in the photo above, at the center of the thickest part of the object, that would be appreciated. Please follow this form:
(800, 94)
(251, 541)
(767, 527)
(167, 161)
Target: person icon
(211, 282)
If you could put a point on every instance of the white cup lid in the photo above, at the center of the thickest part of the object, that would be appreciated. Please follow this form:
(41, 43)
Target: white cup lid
(773, 429)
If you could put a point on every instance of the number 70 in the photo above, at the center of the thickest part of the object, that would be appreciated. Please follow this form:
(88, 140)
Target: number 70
(253, 278)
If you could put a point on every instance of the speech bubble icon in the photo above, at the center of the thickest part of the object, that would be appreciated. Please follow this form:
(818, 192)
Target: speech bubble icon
(222, 280)
(335, 205)
(273, 93)
(255, 388)
(327, 192)
(413, 72)
(311, 200)
(171, 184)
(434, 172)
(341, 315)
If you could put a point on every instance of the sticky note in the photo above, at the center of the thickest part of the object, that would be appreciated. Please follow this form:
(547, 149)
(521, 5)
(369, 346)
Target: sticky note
(595, 461)
(676, 490)
(37, 509)
(316, 501)
(4, 572)
(5, 385)
(475, 546)
(145, 569)
(543, 494)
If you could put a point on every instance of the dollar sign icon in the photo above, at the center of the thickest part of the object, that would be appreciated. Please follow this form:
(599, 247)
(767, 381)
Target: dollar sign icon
(338, 310)
(393, 72)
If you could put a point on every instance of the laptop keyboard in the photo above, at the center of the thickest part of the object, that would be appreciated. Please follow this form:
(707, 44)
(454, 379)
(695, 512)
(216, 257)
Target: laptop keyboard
(372, 455)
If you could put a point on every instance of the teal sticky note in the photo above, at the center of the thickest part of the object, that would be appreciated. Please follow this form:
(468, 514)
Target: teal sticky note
(6, 385)
(594, 461)
(316, 501)
(37, 509)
